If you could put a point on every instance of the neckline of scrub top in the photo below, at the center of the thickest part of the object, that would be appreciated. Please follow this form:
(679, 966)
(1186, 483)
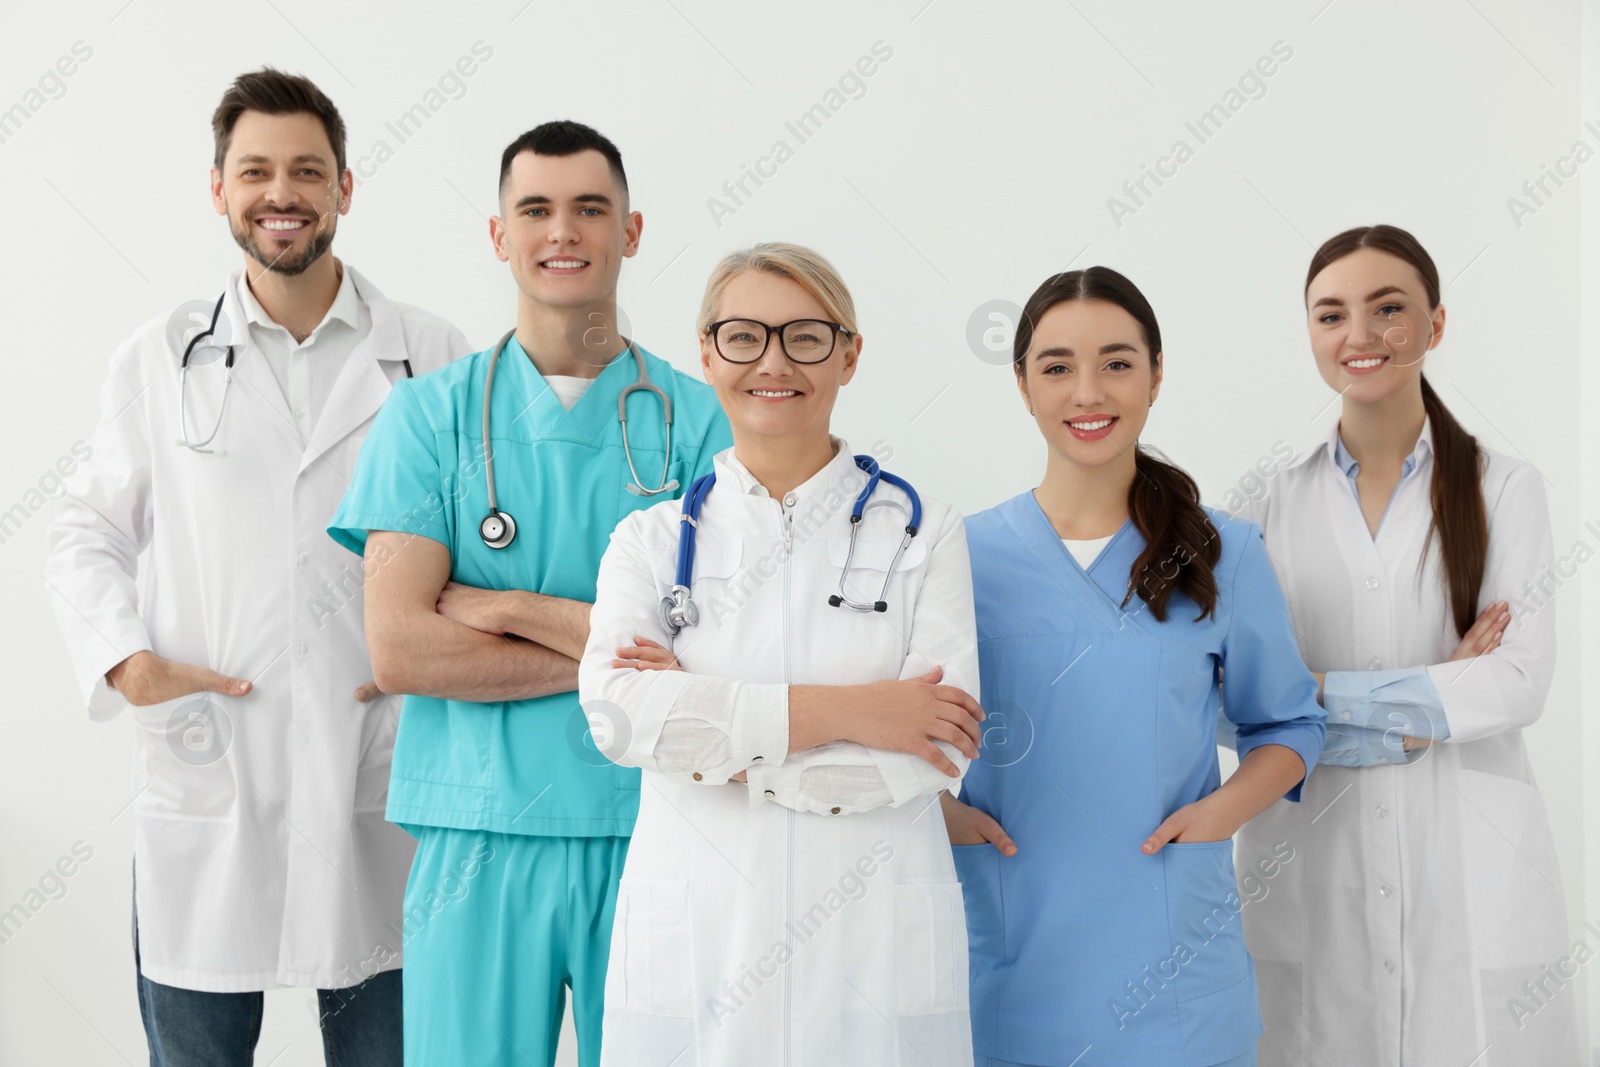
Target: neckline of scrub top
(1086, 550)
(542, 415)
(1112, 565)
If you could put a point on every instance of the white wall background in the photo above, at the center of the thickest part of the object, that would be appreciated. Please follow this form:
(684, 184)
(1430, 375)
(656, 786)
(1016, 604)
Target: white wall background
(978, 160)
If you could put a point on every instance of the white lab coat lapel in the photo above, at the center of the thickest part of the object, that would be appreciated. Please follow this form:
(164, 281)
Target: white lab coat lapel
(362, 385)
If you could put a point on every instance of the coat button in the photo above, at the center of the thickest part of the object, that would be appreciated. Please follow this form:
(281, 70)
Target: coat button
(697, 776)
(1375, 663)
(1386, 889)
(1372, 582)
(1388, 965)
(770, 793)
(836, 811)
(788, 500)
(756, 760)
(1383, 812)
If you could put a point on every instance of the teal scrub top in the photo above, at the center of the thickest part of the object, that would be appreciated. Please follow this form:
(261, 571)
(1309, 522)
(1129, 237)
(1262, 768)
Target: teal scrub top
(521, 766)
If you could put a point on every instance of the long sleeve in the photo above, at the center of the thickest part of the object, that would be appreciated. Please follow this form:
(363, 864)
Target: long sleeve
(1505, 689)
(1269, 695)
(1403, 701)
(837, 778)
(102, 523)
(667, 721)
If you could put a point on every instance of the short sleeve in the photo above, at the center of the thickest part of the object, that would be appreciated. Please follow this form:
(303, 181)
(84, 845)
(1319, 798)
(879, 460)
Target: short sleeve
(398, 483)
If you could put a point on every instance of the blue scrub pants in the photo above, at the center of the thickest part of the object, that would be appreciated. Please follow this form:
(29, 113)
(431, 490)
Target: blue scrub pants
(497, 928)
(1246, 1060)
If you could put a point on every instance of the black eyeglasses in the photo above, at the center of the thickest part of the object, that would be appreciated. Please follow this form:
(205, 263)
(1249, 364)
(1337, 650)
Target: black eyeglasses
(803, 340)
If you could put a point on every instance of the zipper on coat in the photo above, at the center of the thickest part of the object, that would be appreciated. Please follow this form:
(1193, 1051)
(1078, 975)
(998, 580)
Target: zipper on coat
(788, 874)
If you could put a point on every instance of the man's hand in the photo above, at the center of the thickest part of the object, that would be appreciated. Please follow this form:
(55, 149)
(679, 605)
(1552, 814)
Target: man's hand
(145, 678)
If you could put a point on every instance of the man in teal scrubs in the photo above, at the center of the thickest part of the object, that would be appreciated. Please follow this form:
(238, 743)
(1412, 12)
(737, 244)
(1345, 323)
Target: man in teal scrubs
(522, 826)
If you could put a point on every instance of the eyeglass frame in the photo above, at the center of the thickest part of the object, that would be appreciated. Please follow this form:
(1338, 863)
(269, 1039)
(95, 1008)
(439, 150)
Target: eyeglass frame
(711, 331)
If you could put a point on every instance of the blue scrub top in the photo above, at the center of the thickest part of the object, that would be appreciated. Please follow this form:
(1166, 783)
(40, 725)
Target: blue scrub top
(523, 766)
(1102, 722)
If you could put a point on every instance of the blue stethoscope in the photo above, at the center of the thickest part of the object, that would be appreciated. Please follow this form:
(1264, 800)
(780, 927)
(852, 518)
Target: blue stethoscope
(678, 609)
(498, 529)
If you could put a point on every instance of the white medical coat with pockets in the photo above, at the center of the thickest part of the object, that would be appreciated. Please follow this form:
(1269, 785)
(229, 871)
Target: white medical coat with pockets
(261, 855)
(812, 918)
(1422, 923)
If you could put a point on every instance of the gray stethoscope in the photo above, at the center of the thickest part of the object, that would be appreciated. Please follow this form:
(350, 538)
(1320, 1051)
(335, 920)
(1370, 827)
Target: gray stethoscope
(498, 529)
(183, 386)
(678, 609)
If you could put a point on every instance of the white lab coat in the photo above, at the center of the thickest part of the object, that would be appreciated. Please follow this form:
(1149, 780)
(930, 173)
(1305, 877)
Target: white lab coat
(1420, 896)
(271, 865)
(812, 917)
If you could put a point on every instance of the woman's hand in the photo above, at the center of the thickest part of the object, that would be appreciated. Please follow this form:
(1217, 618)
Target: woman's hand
(910, 715)
(966, 825)
(646, 655)
(1484, 635)
(1210, 818)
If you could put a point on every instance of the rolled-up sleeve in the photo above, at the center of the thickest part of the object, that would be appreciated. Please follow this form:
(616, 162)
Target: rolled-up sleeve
(1270, 695)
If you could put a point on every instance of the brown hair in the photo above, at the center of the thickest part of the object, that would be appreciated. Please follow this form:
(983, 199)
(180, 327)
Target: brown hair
(275, 93)
(1181, 545)
(1460, 519)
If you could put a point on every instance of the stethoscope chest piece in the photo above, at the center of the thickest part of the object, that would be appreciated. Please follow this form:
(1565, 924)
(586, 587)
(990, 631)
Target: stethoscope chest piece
(678, 610)
(497, 529)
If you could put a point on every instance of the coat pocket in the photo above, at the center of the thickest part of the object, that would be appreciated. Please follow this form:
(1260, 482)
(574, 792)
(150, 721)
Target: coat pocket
(1203, 916)
(930, 949)
(655, 954)
(185, 759)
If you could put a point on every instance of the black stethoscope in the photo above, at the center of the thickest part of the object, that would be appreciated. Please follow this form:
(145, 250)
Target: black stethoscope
(678, 610)
(183, 385)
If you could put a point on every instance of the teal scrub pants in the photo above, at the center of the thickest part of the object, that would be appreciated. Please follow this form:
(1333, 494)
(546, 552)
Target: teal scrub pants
(496, 928)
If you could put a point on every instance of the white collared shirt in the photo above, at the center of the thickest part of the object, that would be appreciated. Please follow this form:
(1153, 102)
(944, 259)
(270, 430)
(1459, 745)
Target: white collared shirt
(306, 370)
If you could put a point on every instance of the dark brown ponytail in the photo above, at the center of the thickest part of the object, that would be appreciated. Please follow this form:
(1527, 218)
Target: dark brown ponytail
(1460, 519)
(1181, 545)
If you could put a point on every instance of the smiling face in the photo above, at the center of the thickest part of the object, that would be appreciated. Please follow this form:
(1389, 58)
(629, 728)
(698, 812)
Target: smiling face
(1089, 378)
(1371, 325)
(774, 396)
(280, 189)
(565, 229)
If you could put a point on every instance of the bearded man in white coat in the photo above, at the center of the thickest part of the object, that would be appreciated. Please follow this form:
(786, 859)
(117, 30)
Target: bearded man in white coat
(227, 435)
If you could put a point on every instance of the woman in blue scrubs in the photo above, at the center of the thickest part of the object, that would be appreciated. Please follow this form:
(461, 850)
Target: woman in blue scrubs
(1109, 604)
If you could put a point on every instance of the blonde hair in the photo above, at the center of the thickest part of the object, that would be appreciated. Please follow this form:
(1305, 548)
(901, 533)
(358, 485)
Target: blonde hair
(797, 263)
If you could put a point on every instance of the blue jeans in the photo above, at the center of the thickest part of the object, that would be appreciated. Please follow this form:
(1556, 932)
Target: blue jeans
(361, 1025)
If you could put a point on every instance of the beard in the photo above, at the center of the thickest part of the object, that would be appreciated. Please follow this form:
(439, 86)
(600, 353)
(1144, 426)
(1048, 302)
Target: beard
(283, 262)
